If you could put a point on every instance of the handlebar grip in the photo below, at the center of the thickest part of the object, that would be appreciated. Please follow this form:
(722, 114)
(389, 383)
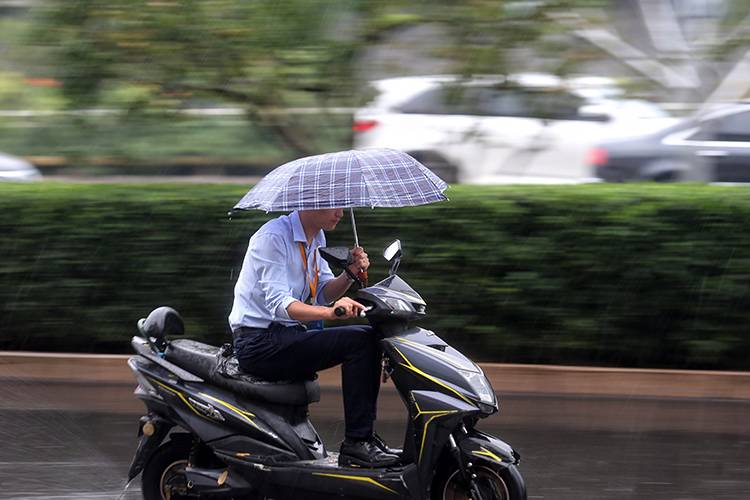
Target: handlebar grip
(339, 311)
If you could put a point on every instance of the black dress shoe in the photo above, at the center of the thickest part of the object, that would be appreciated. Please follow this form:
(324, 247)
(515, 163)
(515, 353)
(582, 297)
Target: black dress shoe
(364, 454)
(380, 443)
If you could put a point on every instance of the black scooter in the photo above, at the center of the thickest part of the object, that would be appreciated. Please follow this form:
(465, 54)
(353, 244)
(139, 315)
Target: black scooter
(213, 432)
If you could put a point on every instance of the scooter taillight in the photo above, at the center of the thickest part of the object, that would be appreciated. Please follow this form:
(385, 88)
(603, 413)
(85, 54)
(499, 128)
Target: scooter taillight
(143, 382)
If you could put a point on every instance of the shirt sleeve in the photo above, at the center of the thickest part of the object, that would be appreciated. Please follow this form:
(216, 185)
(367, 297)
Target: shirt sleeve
(269, 255)
(324, 275)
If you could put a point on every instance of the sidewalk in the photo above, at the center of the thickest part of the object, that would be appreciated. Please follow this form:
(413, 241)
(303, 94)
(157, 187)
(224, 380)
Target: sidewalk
(505, 378)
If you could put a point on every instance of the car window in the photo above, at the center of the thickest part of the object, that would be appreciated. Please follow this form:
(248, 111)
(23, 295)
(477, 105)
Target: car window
(496, 101)
(553, 105)
(447, 100)
(728, 128)
(504, 102)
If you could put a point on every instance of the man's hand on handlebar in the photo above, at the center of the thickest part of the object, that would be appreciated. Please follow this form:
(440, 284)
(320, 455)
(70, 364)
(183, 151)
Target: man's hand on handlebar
(346, 308)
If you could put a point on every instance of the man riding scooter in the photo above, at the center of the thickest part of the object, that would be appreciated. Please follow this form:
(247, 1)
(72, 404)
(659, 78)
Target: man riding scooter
(280, 302)
(210, 432)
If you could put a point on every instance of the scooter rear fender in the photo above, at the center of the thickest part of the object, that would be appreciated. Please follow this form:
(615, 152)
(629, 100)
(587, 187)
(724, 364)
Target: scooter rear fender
(151, 432)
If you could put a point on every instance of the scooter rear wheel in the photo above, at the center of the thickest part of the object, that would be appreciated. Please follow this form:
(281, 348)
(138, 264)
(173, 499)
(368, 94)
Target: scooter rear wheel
(495, 483)
(164, 474)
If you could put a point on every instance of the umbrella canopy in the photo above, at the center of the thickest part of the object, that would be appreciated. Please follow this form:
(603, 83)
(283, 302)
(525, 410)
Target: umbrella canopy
(346, 179)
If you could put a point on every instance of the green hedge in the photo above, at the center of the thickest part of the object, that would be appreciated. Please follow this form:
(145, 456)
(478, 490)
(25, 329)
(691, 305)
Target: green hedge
(634, 275)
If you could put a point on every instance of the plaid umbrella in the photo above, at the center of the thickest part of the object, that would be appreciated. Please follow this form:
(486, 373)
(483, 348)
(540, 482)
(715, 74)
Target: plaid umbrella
(346, 179)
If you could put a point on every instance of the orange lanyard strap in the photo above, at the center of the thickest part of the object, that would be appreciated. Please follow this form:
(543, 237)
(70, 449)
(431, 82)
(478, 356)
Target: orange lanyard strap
(312, 282)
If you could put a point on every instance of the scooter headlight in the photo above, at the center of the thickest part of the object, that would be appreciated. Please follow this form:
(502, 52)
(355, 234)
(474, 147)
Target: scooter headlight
(478, 382)
(399, 304)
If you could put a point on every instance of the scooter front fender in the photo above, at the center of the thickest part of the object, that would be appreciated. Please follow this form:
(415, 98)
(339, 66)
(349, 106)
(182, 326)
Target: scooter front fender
(480, 447)
(483, 450)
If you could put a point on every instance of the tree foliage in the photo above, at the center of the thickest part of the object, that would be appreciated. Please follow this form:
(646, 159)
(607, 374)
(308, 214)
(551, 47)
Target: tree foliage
(263, 55)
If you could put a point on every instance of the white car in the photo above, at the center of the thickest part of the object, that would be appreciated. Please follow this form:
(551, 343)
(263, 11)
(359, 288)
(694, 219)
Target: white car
(17, 169)
(522, 128)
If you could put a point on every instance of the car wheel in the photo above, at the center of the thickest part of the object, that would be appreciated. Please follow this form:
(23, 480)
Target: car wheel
(676, 171)
(666, 177)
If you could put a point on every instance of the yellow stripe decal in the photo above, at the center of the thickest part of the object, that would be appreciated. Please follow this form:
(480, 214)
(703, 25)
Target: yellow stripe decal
(435, 414)
(181, 396)
(424, 431)
(242, 413)
(486, 453)
(429, 377)
(356, 478)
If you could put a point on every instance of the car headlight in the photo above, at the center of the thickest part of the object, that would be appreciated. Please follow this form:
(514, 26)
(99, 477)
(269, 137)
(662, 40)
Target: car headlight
(478, 382)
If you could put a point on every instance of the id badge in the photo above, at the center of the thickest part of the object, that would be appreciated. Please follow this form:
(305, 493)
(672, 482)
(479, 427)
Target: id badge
(315, 325)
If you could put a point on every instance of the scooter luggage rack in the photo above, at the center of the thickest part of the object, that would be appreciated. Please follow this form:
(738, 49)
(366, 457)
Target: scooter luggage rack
(142, 348)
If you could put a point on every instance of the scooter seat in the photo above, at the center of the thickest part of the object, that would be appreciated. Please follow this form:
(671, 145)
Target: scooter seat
(208, 362)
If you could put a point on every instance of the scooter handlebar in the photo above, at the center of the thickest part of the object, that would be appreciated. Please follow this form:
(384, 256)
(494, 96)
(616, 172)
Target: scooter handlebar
(340, 311)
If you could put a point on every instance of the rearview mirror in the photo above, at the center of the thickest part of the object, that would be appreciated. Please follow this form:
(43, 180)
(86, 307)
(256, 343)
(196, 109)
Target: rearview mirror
(392, 250)
(337, 257)
(392, 254)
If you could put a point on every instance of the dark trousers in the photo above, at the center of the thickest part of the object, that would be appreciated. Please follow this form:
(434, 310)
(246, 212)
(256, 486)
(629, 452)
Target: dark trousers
(291, 353)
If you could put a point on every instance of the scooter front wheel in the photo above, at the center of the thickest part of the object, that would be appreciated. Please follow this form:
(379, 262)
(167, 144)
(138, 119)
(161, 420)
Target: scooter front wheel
(164, 474)
(494, 483)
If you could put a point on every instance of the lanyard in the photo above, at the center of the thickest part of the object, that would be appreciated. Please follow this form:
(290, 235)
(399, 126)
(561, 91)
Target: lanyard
(312, 282)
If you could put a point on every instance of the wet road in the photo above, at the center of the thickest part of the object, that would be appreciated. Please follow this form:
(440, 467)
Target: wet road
(612, 449)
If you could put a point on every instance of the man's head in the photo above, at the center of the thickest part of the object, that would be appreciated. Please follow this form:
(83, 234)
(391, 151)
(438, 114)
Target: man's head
(325, 219)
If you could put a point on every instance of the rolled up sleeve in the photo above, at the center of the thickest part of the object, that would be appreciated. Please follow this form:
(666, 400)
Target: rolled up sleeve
(325, 276)
(268, 254)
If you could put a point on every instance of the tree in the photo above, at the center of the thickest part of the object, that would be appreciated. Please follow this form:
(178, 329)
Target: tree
(263, 55)
(691, 51)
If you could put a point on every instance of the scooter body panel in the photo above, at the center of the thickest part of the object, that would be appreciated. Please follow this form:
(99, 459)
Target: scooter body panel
(216, 415)
(272, 450)
(423, 361)
(435, 416)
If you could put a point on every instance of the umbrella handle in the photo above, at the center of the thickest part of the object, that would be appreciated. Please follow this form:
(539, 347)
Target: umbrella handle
(362, 275)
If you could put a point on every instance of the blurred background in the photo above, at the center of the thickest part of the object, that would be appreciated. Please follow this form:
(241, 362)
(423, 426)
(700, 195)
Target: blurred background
(598, 153)
(482, 91)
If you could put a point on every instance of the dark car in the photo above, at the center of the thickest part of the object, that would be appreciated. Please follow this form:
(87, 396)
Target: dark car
(711, 147)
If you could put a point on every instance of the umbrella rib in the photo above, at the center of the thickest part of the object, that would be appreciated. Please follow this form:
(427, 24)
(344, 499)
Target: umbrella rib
(365, 186)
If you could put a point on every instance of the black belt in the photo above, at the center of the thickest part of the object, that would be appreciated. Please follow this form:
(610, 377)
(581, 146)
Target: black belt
(247, 330)
(250, 330)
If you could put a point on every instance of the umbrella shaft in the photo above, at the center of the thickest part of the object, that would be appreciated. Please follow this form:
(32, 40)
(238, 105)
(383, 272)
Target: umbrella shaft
(354, 228)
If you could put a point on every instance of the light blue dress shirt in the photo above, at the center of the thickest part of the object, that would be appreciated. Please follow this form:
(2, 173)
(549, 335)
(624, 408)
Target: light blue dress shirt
(273, 275)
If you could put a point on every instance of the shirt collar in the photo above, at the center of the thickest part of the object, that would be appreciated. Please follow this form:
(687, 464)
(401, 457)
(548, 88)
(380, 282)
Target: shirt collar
(299, 232)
